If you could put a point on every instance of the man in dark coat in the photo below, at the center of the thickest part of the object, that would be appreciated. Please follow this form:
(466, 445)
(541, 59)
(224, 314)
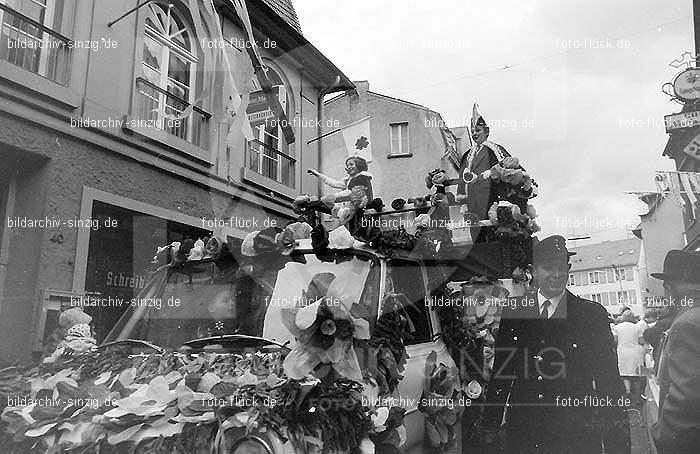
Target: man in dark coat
(678, 428)
(555, 374)
(653, 334)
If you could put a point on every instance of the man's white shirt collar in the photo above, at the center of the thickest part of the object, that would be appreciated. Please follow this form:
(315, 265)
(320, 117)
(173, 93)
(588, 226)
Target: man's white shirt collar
(554, 302)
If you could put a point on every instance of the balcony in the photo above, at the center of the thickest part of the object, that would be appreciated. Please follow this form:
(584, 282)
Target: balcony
(156, 108)
(29, 44)
(271, 163)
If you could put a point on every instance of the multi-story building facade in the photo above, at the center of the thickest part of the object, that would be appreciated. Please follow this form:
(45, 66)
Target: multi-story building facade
(408, 140)
(116, 137)
(661, 229)
(612, 273)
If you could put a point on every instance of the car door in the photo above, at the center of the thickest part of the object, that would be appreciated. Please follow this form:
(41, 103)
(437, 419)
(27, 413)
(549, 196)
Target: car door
(408, 278)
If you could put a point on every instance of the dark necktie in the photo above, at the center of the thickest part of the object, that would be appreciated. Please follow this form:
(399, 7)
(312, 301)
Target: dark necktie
(545, 309)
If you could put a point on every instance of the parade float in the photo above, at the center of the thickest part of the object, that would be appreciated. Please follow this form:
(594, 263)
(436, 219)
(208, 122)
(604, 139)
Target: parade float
(358, 328)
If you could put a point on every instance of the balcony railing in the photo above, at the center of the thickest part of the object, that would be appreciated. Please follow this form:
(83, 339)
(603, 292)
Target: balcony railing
(157, 108)
(31, 45)
(271, 163)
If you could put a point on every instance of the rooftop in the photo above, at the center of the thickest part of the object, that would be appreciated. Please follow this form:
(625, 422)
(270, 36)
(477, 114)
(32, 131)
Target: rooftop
(606, 254)
(285, 10)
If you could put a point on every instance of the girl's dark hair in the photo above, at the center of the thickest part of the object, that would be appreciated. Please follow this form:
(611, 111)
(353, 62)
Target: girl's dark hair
(360, 163)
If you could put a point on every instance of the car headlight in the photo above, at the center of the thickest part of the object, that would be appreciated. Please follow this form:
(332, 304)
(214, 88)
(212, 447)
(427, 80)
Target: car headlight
(251, 444)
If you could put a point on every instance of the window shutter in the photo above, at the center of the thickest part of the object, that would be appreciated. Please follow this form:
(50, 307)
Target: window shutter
(632, 296)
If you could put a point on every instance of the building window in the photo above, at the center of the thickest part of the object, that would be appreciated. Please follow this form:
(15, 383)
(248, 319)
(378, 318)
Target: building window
(268, 154)
(596, 277)
(119, 259)
(623, 297)
(571, 280)
(29, 37)
(620, 274)
(166, 92)
(399, 138)
(597, 297)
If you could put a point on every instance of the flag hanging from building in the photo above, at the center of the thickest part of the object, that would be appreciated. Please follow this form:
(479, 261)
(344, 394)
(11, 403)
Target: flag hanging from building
(231, 97)
(357, 138)
(260, 72)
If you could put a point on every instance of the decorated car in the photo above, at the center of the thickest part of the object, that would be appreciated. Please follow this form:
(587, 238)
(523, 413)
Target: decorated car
(362, 338)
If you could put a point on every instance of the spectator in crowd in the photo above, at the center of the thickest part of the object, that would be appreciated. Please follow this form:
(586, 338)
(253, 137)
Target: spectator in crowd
(678, 428)
(652, 335)
(630, 353)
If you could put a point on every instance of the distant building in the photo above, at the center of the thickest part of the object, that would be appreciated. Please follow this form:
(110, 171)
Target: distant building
(612, 273)
(408, 140)
(661, 229)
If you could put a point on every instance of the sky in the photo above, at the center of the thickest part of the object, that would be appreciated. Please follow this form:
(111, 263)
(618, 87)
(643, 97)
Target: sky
(573, 89)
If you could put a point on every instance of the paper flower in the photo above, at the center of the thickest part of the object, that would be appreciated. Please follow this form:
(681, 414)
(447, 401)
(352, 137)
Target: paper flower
(325, 331)
(510, 162)
(473, 389)
(147, 400)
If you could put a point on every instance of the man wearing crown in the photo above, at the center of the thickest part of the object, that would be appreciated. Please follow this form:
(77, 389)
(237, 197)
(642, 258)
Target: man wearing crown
(478, 192)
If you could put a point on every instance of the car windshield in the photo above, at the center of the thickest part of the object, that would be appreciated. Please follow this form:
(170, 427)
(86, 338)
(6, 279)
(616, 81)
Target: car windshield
(201, 300)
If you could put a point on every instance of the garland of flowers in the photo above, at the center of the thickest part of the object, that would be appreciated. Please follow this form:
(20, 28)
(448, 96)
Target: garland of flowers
(470, 322)
(440, 404)
(154, 402)
(387, 349)
(513, 183)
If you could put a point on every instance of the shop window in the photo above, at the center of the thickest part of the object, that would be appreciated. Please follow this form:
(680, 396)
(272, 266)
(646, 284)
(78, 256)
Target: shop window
(268, 153)
(30, 37)
(166, 92)
(119, 258)
(399, 139)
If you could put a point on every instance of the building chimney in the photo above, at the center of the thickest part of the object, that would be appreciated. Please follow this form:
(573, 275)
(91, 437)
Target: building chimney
(361, 85)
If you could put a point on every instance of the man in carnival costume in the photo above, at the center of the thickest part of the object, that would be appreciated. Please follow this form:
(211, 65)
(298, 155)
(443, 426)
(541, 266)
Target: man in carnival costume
(477, 191)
